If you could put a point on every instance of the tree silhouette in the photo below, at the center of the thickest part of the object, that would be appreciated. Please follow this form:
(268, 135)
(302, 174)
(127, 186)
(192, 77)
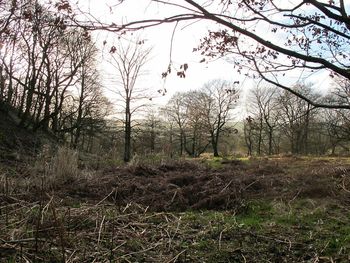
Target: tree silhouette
(274, 38)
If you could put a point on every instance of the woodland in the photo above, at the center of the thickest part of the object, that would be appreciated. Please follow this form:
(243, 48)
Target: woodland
(218, 173)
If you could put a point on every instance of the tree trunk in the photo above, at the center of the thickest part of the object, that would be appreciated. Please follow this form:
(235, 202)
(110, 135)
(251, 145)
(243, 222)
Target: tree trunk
(153, 139)
(182, 142)
(2, 85)
(214, 143)
(127, 132)
(270, 141)
(28, 105)
(306, 131)
(80, 114)
(171, 141)
(260, 136)
(48, 99)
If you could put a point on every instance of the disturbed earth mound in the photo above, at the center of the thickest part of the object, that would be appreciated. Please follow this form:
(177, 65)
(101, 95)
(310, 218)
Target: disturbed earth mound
(189, 185)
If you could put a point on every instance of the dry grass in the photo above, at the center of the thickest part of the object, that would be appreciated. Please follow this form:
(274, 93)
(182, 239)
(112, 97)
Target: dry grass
(67, 215)
(54, 168)
(102, 232)
(63, 165)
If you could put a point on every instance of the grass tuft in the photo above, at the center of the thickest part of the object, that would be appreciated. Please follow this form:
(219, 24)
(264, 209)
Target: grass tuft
(64, 165)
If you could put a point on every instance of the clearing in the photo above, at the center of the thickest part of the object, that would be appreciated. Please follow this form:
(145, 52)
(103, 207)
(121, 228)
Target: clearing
(262, 210)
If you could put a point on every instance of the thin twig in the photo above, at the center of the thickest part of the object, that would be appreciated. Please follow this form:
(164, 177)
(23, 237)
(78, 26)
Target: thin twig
(142, 251)
(100, 230)
(177, 256)
(24, 240)
(226, 186)
(220, 237)
(105, 198)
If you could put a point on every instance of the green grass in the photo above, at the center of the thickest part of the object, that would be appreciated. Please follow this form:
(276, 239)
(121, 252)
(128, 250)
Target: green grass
(267, 230)
(214, 162)
(218, 162)
(264, 225)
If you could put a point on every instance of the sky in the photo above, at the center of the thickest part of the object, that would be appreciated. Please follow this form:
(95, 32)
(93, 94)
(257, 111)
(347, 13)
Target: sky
(187, 37)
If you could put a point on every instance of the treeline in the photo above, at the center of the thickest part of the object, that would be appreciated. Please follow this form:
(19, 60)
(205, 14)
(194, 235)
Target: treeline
(48, 72)
(280, 122)
(191, 123)
(49, 79)
(277, 122)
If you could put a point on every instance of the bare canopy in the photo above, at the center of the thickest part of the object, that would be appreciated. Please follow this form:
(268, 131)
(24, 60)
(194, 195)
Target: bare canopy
(276, 39)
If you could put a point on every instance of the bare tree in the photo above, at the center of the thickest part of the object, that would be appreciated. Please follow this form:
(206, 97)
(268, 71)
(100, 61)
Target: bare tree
(337, 121)
(39, 64)
(201, 116)
(196, 138)
(186, 110)
(275, 39)
(219, 98)
(267, 111)
(177, 112)
(128, 59)
(88, 85)
(150, 133)
(248, 129)
(8, 15)
(48, 73)
(297, 116)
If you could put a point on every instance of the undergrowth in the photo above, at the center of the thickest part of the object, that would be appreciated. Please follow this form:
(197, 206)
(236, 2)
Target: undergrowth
(101, 232)
(49, 213)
